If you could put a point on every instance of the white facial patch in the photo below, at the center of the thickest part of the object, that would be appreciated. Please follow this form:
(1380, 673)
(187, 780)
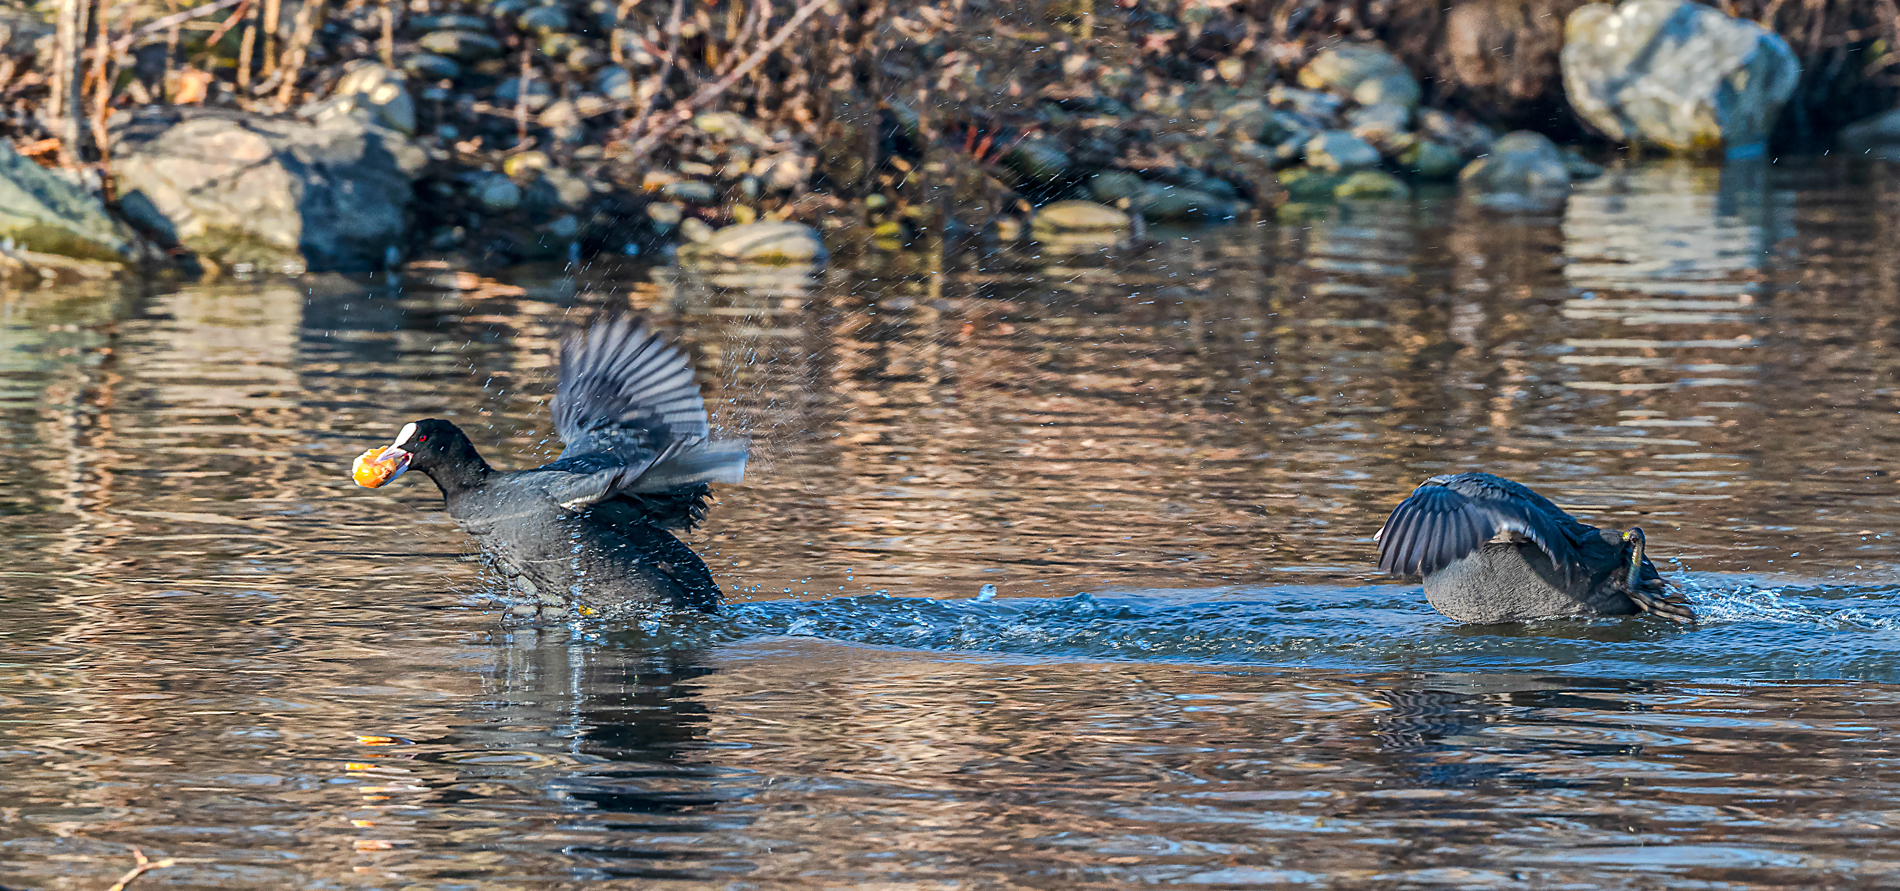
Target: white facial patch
(408, 430)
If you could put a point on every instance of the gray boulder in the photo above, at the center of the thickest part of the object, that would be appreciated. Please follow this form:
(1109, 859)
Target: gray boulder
(276, 193)
(41, 212)
(1677, 75)
(1875, 137)
(1524, 172)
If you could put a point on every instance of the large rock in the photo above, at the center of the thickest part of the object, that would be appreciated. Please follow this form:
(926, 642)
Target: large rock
(1370, 75)
(1678, 75)
(1524, 172)
(1875, 137)
(43, 213)
(276, 193)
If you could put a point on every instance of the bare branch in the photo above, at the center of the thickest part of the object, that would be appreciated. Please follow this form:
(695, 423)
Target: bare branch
(683, 112)
(157, 25)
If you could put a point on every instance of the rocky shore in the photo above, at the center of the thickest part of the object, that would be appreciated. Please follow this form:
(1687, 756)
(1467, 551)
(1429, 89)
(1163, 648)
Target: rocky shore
(278, 136)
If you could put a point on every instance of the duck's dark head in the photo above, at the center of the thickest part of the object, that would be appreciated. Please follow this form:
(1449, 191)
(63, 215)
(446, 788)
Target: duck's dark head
(436, 447)
(1633, 542)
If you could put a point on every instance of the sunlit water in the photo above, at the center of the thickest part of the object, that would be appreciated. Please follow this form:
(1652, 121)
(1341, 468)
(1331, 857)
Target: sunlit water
(1169, 463)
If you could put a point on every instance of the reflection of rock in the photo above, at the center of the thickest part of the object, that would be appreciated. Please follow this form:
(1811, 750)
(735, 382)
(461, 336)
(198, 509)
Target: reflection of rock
(1524, 171)
(1673, 229)
(1677, 74)
(1875, 137)
(41, 212)
(271, 192)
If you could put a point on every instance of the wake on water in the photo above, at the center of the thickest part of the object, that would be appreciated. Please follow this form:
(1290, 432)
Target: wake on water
(1747, 631)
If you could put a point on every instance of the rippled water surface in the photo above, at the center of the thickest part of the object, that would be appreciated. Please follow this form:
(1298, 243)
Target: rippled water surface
(1168, 462)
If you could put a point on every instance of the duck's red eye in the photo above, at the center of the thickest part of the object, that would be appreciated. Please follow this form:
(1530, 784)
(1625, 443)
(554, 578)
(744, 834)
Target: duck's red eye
(422, 439)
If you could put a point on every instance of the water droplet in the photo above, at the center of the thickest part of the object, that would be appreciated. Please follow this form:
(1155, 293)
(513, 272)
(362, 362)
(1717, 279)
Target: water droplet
(986, 594)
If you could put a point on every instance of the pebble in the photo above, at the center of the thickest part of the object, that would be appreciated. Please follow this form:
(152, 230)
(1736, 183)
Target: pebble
(777, 243)
(430, 66)
(691, 192)
(497, 193)
(543, 20)
(465, 46)
(1338, 151)
(614, 82)
(1372, 184)
(1078, 216)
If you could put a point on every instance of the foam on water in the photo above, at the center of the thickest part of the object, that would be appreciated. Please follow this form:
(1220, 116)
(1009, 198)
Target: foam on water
(1747, 631)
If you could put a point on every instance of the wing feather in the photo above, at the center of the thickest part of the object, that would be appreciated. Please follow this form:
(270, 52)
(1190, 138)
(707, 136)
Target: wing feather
(632, 417)
(1449, 517)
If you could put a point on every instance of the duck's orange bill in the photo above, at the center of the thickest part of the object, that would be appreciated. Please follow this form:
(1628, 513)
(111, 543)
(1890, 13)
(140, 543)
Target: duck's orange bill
(378, 466)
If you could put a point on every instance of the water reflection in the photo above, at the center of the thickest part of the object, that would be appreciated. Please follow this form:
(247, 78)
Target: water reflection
(214, 647)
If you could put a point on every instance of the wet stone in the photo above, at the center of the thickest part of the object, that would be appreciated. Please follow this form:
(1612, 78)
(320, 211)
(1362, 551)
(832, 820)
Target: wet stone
(496, 194)
(1111, 186)
(432, 67)
(1431, 160)
(1372, 184)
(543, 20)
(614, 82)
(1078, 216)
(775, 243)
(1338, 151)
(691, 192)
(463, 46)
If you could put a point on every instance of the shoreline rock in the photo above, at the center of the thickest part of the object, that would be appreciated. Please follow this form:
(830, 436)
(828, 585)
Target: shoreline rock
(277, 194)
(1678, 75)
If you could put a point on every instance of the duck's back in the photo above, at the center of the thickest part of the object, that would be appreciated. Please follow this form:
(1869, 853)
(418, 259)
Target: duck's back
(1515, 582)
(612, 559)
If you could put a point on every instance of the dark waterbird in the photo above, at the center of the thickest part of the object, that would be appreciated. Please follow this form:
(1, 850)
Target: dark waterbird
(1492, 550)
(590, 533)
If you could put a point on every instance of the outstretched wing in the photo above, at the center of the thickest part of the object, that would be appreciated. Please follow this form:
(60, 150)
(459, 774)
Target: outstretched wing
(632, 418)
(1449, 517)
(625, 392)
